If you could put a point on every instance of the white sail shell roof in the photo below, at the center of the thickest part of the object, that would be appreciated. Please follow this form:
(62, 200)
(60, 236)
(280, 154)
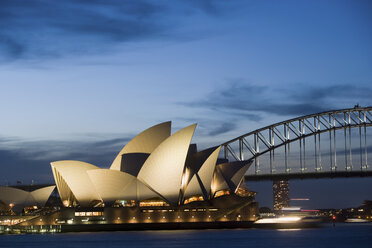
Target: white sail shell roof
(114, 185)
(193, 188)
(21, 198)
(74, 175)
(163, 170)
(229, 175)
(138, 191)
(145, 142)
(10, 195)
(238, 177)
(65, 193)
(218, 182)
(110, 184)
(42, 195)
(144, 192)
(205, 174)
(206, 171)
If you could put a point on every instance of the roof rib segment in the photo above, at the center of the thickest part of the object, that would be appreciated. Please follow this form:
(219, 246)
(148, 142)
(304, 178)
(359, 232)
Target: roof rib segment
(64, 191)
(74, 174)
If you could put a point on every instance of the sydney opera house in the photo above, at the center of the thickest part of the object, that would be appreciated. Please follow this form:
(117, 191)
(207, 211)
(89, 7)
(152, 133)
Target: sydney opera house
(157, 179)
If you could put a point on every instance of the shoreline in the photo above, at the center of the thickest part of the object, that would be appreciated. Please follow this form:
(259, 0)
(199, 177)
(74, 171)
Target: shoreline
(75, 228)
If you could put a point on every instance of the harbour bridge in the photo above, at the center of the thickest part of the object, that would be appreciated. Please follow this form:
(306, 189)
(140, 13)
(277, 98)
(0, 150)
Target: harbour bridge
(324, 145)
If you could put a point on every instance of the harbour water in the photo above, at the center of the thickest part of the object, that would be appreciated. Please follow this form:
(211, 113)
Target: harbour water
(342, 235)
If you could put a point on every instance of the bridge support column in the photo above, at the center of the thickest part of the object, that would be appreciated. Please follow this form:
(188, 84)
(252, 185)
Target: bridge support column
(280, 194)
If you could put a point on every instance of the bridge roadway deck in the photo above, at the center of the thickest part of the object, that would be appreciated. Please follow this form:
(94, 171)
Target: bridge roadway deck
(308, 175)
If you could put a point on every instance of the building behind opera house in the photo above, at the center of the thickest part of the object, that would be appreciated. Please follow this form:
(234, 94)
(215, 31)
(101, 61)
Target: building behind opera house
(156, 178)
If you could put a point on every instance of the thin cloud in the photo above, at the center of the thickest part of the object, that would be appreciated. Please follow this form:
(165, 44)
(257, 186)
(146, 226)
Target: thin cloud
(110, 142)
(223, 128)
(251, 101)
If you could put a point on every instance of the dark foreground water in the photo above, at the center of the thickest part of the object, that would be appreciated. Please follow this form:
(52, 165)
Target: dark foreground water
(343, 235)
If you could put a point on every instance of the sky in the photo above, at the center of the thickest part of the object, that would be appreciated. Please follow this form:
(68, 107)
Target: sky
(79, 79)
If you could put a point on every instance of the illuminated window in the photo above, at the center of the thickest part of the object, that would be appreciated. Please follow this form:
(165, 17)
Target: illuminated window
(88, 213)
(245, 192)
(153, 203)
(193, 199)
(222, 193)
(125, 203)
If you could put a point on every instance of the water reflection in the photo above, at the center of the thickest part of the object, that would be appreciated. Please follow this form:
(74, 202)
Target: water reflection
(343, 235)
(289, 229)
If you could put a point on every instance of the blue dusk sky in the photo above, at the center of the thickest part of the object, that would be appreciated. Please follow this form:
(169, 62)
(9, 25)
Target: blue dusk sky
(79, 79)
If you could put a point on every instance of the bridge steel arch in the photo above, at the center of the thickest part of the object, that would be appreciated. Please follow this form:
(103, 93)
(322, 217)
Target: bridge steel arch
(298, 129)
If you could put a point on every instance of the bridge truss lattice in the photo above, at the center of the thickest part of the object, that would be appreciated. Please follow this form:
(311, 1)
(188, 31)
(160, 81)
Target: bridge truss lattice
(266, 140)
